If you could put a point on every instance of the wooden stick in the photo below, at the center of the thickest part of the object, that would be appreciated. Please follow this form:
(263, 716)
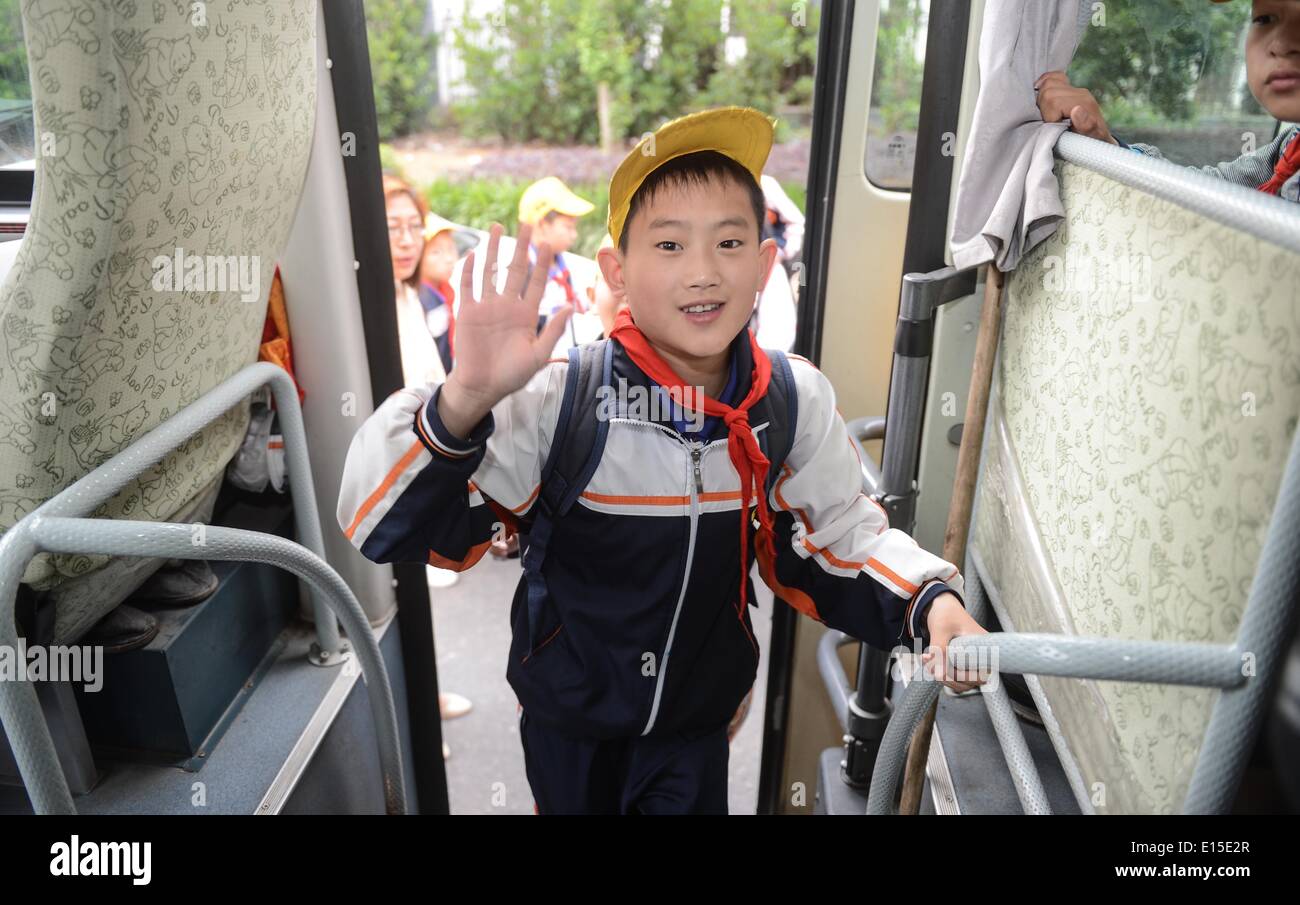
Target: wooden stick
(963, 498)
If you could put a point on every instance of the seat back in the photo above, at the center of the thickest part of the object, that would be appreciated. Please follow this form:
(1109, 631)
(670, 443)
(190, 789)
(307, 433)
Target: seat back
(1145, 401)
(172, 140)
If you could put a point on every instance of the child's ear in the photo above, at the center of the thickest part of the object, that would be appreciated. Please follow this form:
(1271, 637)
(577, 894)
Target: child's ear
(767, 250)
(611, 267)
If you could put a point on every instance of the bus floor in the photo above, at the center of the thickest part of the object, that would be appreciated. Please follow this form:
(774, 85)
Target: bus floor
(485, 773)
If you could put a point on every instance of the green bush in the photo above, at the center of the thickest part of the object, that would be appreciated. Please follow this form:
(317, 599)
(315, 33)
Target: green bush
(1171, 61)
(480, 202)
(13, 53)
(402, 66)
(535, 68)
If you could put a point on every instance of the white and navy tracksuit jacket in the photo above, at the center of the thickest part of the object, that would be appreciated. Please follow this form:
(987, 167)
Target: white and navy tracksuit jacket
(640, 633)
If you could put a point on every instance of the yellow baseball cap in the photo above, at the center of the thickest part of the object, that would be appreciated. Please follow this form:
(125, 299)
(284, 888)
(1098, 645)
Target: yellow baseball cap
(741, 133)
(550, 194)
(433, 224)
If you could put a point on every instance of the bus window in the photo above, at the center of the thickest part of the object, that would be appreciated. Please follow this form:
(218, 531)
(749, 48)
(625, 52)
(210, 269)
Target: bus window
(1173, 75)
(896, 93)
(17, 142)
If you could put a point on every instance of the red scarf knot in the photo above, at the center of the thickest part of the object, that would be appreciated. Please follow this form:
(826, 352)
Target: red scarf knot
(1287, 165)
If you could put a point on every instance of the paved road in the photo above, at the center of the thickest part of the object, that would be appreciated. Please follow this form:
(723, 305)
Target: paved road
(485, 774)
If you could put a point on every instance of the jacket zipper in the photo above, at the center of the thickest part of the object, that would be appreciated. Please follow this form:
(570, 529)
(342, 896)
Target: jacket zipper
(695, 487)
(695, 483)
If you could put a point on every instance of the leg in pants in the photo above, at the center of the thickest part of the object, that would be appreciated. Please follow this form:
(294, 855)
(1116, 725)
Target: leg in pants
(673, 775)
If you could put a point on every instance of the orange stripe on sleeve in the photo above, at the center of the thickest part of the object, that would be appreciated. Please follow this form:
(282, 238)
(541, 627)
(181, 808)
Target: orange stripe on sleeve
(371, 501)
(893, 576)
(474, 555)
(831, 557)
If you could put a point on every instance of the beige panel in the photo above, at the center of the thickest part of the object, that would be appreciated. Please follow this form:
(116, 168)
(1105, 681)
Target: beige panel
(866, 255)
(862, 285)
(1150, 393)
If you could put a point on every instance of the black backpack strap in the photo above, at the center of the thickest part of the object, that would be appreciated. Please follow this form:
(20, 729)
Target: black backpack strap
(782, 400)
(576, 448)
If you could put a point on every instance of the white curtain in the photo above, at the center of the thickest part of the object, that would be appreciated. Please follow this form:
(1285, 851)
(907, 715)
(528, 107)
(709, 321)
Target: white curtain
(1008, 199)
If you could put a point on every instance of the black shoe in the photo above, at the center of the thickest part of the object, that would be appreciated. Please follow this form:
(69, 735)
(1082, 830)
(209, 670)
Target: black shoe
(124, 629)
(179, 583)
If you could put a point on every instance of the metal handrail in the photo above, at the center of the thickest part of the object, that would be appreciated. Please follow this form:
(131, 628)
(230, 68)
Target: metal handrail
(67, 512)
(863, 430)
(1245, 670)
(832, 672)
(1170, 662)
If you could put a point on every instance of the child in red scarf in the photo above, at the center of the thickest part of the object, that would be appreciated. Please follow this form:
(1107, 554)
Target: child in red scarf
(644, 649)
(436, 295)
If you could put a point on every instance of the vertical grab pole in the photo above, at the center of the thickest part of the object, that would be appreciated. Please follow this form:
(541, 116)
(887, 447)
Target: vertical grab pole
(963, 498)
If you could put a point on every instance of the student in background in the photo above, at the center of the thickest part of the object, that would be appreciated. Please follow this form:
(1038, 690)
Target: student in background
(552, 210)
(421, 364)
(436, 294)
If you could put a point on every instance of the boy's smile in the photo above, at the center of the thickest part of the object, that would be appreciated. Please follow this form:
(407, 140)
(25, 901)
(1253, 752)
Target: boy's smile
(693, 267)
(1273, 57)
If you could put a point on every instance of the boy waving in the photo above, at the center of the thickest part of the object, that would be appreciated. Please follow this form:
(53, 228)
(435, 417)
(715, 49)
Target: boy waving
(632, 642)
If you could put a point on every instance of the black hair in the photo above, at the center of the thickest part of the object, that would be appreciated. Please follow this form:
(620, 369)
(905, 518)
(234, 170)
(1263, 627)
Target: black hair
(698, 168)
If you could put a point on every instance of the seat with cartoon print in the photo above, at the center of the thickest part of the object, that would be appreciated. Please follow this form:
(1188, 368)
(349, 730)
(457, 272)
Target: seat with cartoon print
(1144, 407)
(172, 145)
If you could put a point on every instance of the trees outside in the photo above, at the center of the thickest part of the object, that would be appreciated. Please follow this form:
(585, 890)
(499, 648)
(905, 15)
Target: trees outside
(1173, 60)
(402, 60)
(13, 53)
(554, 71)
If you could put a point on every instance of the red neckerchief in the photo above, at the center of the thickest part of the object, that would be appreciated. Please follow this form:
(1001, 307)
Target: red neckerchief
(565, 280)
(1287, 165)
(562, 277)
(742, 445)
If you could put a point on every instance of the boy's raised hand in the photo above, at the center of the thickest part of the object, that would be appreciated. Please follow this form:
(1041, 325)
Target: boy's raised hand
(1058, 100)
(498, 348)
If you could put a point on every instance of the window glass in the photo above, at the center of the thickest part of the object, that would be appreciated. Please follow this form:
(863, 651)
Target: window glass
(896, 93)
(1172, 73)
(17, 147)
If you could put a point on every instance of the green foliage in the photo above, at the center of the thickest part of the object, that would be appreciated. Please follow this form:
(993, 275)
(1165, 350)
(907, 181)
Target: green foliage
(535, 67)
(389, 162)
(402, 65)
(480, 202)
(777, 68)
(899, 66)
(13, 53)
(1172, 60)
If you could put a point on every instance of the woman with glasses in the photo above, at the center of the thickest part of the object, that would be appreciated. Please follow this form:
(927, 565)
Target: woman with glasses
(421, 362)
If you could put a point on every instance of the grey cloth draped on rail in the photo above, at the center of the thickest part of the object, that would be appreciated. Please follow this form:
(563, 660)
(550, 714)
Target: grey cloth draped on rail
(1008, 199)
